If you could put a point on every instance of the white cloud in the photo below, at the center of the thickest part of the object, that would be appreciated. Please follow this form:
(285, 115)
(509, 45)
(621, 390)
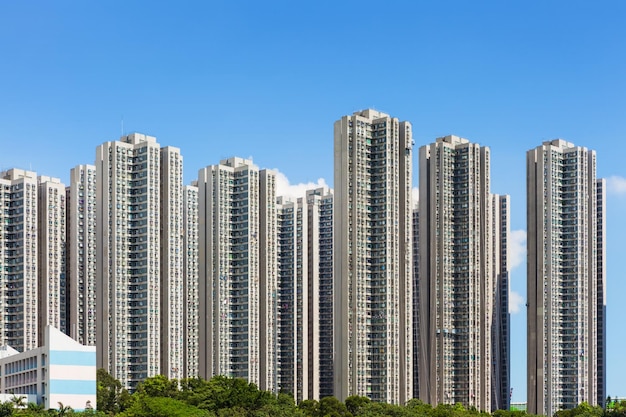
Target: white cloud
(517, 248)
(515, 302)
(415, 195)
(616, 185)
(285, 189)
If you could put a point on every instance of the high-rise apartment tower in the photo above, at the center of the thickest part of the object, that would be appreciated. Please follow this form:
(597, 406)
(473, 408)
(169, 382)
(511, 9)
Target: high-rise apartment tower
(191, 268)
(462, 273)
(566, 273)
(238, 272)
(51, 291)
(32, 257)
(293, 299)
(305, 345)
(81, 254)
(319, 203)
(373, 260)
(139, 258)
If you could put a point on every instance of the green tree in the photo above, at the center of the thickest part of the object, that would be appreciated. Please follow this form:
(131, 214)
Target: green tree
(18, 401)
(111, 396)
(193, 391)
(159, 386)
(416, 407)
(581, 410)
(331, 406)
(310, 408)
(618, 409)
(6, 409)
(145, 406)
(286, 400)
(34, 407)
(224, 392)
(64, 410)
(232, 412)
(356, 404)
(89, 412)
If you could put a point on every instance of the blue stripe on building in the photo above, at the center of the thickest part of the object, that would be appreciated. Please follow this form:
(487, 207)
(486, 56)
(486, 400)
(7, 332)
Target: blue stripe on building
(71, 387)
(61, 357)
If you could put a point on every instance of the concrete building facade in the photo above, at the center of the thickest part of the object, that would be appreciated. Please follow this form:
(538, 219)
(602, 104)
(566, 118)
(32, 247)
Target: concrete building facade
(293, 299)
(20, 258)
(238, 272)
(139, 205)
(501, 327)
(172, 263)
(373, 260)
(321, 255)
(566, 273)
(190, 291)
(81, 254)
(52, 281)
(462, 258)
(416, 301)
(32, 257)
(305, 294)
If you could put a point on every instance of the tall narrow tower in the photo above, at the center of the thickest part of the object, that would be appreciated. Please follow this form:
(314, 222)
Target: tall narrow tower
(501, 324)
(319, 208)
(52, 289)
(293, 277)
(191, 266)
(172, 262)
(81, 254)
(460, 264)
(372, 244)
(305, 294)
(32, 257)
(566, 300)
(237, 272)
(139, 205)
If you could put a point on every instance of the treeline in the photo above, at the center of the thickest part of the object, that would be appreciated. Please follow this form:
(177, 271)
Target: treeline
(233, 397)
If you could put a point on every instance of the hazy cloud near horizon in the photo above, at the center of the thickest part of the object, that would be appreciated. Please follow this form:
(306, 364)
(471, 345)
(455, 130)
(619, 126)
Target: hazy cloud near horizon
(415, 195)
(285, 189)
(516, 302)
(616, 185)
(517, 247)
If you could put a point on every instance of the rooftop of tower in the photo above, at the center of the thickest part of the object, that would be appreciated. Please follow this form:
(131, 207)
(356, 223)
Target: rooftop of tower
(236, 162)
(452, 139)
(559, 143)
(135, 138)
(16, 173)
(371, 114)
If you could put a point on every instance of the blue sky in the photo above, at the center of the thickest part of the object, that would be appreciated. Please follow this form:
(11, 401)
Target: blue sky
(268, 79)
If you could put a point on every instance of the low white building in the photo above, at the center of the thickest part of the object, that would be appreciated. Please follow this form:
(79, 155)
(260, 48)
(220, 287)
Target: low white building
(61, 371)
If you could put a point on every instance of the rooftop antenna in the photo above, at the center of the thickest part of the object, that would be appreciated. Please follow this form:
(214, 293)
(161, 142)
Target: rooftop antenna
(122, 123)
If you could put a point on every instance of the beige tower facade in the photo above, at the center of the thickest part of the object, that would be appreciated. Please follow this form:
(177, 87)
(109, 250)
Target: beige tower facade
(139, 203)
(51, 247)
(190, 293)
(32, 257)
(459, 267)
(320, 213)
(81, 254)
(172, 266)
(566, 272)
(305, 294)
(293, 277)
(237, 272)
(19, 258)
(373, 261)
